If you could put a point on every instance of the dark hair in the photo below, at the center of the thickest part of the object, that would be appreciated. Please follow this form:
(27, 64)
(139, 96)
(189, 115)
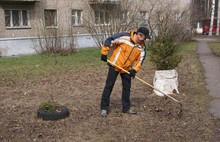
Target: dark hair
(144, 31)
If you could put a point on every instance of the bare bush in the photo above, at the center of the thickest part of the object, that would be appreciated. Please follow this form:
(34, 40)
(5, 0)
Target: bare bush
(54, 41)
(3, 51)
(166, 19)
(114, 18)
(54, 37)
(126, 15)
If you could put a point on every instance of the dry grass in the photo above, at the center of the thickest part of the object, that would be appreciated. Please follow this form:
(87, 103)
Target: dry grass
(77, 82)
(215, 47)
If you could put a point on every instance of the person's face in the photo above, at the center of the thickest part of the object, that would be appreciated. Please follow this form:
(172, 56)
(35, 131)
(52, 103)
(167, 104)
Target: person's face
(140, 37)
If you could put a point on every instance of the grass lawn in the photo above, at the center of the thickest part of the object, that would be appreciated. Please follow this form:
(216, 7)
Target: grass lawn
(215, 47)
(77, 82)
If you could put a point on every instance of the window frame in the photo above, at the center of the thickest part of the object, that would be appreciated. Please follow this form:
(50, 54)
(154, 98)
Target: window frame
(178, 16)
(124, 17)
(105, 17)
(20, 18)
(76, 17)
(144, 15)
(55, 21)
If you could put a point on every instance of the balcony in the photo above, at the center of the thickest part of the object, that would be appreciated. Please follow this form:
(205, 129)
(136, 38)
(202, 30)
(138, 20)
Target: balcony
(104, 1)
(18, 2)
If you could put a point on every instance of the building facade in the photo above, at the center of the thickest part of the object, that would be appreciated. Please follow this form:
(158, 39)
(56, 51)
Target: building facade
(24, 22)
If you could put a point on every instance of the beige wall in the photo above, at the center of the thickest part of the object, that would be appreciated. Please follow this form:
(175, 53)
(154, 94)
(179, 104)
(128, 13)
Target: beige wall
(63, 12)
(63, 8)
(9, 32)
(18, 42)
(36, 16)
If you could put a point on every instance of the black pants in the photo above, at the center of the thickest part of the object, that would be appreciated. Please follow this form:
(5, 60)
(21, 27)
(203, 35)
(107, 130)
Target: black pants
(126, 83)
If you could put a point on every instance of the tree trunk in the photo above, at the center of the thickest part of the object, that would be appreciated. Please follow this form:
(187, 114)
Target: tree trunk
(212, 17)
(218, 18)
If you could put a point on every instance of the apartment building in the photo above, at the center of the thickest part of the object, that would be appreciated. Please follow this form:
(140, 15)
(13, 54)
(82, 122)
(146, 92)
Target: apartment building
(25, 21)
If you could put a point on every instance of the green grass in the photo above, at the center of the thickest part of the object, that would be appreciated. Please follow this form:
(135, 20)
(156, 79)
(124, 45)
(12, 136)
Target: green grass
(49, 106)
(21, 68)
(215, 47)
(86, 57)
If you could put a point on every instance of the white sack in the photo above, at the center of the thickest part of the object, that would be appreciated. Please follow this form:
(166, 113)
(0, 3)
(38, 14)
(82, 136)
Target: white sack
(166, 81)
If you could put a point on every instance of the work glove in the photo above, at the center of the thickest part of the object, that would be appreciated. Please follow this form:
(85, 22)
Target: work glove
(104, 58)
(132, 73)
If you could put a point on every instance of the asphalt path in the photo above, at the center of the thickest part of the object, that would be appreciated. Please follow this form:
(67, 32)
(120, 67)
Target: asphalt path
(211, 66)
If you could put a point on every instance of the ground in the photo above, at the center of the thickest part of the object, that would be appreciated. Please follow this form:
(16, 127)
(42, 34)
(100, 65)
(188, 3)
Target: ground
(80, 90)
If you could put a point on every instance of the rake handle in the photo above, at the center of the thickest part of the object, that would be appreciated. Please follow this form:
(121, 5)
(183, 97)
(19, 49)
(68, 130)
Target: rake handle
(145, 82)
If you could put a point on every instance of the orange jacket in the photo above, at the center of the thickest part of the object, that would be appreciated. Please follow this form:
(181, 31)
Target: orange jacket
(125, 52)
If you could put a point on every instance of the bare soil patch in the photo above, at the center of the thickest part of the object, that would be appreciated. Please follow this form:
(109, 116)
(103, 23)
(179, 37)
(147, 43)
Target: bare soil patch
(80, 90)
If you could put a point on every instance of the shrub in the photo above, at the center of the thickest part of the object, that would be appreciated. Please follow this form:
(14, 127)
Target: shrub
(164, 53)
(49, 106)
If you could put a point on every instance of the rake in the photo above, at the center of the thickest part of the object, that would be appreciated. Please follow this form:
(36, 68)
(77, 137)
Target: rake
(180, 111)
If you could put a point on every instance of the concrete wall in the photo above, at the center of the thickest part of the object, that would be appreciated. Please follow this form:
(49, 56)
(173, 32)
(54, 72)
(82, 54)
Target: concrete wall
(25, 46)
(13, 47)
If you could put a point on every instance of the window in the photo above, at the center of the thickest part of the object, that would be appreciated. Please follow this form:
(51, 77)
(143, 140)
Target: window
(102, 17)
(124, 17)
(50, 18)
(16, 18)
(177, 16)
(159, 16)
(76, 17)
(144, 15)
